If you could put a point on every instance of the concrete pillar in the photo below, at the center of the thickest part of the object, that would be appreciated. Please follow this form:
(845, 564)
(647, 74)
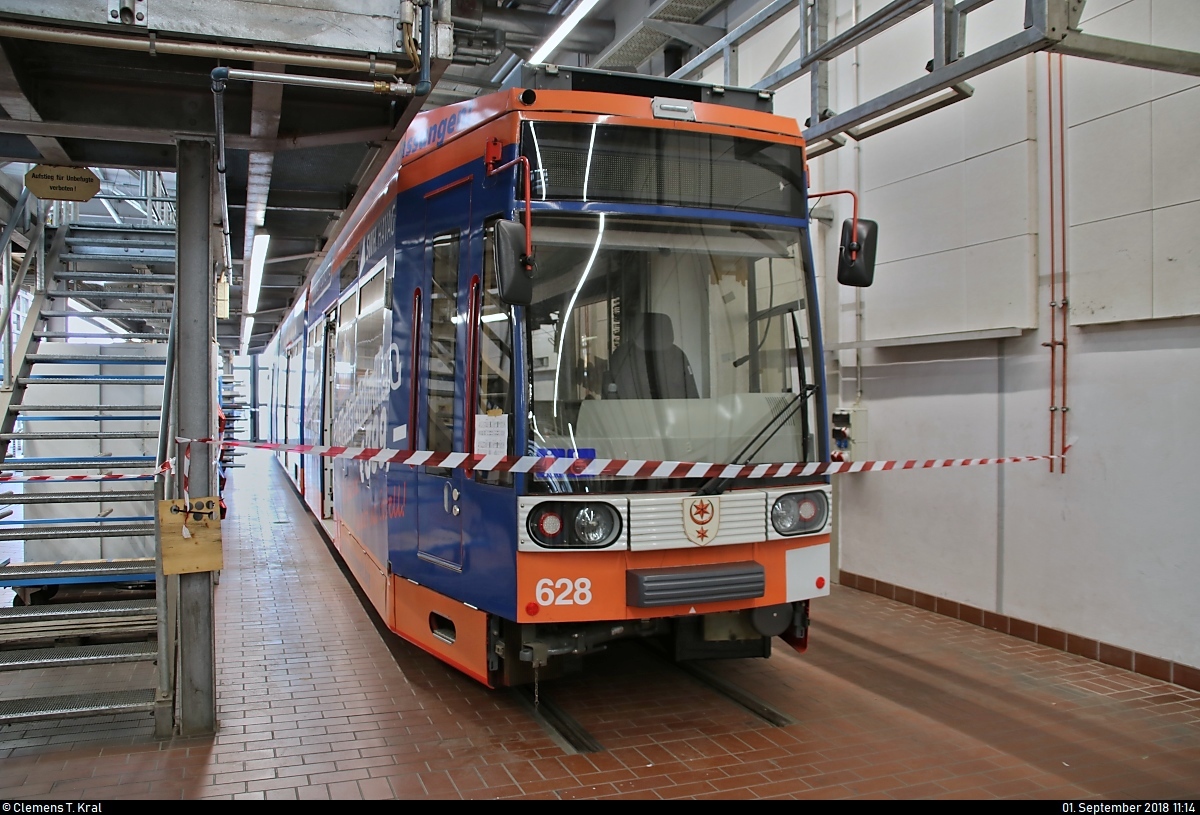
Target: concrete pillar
(195, 385)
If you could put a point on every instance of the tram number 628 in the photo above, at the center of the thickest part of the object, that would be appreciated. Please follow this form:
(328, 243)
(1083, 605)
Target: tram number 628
(564, 591)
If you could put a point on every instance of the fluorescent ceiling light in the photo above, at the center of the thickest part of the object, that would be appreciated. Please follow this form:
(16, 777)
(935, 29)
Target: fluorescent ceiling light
(247, 330)
(258, 256)
(563, 31)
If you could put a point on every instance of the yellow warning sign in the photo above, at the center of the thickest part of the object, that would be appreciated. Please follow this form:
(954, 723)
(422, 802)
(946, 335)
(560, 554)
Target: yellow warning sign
(62, 183)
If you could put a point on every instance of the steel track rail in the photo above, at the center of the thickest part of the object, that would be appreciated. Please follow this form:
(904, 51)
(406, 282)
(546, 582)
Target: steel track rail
(560, 725)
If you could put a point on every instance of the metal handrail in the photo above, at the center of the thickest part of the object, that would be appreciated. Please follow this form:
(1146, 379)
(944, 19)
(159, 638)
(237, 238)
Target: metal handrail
(12, 219)
(166, 589)
(21, 272)
(164, 430)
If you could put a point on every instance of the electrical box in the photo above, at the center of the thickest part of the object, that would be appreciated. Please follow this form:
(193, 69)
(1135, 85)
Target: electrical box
(849, 429)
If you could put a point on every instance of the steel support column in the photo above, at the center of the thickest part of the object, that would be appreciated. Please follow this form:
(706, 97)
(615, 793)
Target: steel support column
(195, 383)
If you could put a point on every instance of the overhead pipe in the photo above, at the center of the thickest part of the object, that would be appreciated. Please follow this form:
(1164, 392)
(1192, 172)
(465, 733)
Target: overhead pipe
(395, 88)
(424, 86)
(238, 53)
(218, 89)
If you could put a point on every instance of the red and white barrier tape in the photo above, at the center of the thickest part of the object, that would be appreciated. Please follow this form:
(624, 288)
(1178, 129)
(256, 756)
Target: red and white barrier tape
(547, 465)
(614, 467)
(9, 478)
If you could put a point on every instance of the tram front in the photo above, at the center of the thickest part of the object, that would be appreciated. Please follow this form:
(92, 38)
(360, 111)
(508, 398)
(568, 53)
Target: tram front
(672, 318)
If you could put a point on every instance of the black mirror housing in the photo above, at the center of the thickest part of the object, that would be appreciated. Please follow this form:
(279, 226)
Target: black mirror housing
(514, 271)
(861, 270)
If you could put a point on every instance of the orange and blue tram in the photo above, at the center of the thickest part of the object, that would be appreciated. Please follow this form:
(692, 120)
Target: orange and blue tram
(591, 266)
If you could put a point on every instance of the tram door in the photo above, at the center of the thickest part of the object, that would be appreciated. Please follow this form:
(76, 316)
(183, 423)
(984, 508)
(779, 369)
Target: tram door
(328, 330)
(441, 390)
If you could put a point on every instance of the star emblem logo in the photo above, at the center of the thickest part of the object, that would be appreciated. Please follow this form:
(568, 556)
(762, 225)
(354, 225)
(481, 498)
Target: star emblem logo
(701, 518)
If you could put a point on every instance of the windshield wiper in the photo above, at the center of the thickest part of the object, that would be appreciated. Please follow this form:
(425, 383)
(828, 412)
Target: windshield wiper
(717, 484)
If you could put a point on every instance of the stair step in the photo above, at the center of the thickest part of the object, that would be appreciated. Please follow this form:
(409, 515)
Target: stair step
(29, 408)
(106, 610)
(116, 277)
(76, 497)
(120, 242)
(67, 572)
(89, 463)
(96, 418)
(68, 335)
(98, 294)
(78, 655)
(62, 620)
(105, 359)
(86, 519)
(82, 434)
(141, 256)
(86, 704)
(84, 378)
(90, 245)
(105, 231)
(110, 315)
(96, 529)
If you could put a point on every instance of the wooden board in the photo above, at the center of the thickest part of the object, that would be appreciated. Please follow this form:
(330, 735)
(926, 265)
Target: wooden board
(202, 551)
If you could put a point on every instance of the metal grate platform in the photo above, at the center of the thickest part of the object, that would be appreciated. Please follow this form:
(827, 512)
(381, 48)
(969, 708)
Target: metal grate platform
(77, 611)
(76, 570)
(57, 707)
(96, 530)
(126, 619)
(78, 655)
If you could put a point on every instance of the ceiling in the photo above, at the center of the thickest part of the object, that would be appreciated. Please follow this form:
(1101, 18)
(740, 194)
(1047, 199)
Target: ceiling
(80, 87)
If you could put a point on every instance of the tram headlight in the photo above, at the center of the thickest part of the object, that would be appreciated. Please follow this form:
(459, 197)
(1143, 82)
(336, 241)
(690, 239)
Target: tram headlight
(800, 513)
(596, 524)
(574, 525)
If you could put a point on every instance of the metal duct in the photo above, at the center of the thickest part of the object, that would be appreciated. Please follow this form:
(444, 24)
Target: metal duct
(590, 37)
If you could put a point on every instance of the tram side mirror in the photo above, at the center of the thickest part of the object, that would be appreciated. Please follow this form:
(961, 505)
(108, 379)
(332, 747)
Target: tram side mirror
(858, 270)
(514, 277)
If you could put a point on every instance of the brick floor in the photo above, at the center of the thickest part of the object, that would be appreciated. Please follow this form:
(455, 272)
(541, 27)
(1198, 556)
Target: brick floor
(892, 701)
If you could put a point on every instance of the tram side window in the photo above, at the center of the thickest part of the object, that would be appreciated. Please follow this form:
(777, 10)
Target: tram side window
(343, 374)
(370, 357)
(495, 357)
(443, 341)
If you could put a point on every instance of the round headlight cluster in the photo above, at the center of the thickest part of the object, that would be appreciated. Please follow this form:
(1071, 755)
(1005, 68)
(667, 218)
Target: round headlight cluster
(800, 513)
(574, 525)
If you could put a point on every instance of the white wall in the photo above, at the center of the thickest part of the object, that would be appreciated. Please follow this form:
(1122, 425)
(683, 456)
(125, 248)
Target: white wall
(1110, 549)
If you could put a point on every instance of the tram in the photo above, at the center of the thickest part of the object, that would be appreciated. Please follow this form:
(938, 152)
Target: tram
(591, 266)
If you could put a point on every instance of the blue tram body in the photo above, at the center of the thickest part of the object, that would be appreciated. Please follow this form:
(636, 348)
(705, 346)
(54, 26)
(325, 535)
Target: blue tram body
(683, 239)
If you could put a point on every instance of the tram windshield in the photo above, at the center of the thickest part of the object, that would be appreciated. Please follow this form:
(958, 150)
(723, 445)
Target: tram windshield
(669, 340)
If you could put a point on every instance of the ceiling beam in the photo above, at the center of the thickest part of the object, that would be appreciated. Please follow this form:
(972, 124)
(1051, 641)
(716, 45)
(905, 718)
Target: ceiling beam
(149, 135)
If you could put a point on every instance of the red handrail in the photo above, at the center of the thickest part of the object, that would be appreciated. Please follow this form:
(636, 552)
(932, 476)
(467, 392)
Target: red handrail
(416, 369)
(854, 226)
(492, 159)
(472, 376)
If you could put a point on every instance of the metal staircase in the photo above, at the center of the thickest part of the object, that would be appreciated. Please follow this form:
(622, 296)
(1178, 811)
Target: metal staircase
(84, 393)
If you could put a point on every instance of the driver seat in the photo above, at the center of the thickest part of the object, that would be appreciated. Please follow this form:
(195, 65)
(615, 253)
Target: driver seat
(648, 364)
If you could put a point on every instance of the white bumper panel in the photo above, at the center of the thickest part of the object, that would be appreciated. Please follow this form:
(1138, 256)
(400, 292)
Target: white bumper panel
(807, 572)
